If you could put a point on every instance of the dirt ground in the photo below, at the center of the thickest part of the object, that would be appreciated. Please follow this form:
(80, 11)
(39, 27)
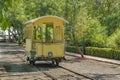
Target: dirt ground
(92, 68)
(13, 66)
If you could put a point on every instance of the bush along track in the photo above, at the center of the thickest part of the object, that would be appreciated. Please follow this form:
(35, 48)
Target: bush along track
(99, 52)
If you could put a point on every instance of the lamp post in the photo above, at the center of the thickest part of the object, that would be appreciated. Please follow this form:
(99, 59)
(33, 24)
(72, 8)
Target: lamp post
(68, 42)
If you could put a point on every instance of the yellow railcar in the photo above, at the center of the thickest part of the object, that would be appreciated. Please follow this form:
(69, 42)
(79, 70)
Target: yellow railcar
(45, 39)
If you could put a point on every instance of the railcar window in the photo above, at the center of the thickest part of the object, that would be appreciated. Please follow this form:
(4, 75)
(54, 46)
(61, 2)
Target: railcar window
(37, 33)
(44, 33)
(48, 32)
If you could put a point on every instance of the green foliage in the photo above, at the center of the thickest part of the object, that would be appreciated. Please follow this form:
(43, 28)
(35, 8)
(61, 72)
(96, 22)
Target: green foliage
(43, 7)
(99, 52)
(112, 23)
(95, 20)
(71, 49)
(96, 34)
(117, 54)
(113, 40)
(103, 52)
(4, 15)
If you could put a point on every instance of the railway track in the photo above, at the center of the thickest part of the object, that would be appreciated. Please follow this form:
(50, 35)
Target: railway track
(65, 74)
(77, 73)
(62, 73)
(56, 73)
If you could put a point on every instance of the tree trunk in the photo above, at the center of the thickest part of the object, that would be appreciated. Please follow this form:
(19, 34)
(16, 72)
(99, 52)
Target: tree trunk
(77, 46)
(79, 50)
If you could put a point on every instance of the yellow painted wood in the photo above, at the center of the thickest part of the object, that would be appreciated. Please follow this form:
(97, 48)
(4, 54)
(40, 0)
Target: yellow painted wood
(28, 30)
(39, 45)
(57, 49)
(28, 45)
(38, 49)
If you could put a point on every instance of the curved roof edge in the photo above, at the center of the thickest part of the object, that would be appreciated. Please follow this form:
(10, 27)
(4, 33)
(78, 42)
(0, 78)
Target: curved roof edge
(33, 20)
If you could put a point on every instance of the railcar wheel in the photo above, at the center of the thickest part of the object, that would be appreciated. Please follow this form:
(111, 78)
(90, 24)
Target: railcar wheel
(27, 59)
(53, 62)
(32, 62)
(57, 62)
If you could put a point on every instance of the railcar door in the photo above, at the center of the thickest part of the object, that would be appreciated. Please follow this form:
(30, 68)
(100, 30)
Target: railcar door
(43, 36)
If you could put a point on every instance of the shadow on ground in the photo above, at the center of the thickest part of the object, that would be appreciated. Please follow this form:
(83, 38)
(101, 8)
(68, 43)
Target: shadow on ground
(24, 67)
(20, 66)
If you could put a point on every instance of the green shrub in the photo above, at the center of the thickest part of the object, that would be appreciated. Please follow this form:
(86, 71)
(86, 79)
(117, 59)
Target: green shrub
(99, 52)
(117, 54)
(71, 49)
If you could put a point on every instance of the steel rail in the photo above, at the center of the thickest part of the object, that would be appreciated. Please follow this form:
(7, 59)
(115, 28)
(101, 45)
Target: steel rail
(54, 78)
(77, 73)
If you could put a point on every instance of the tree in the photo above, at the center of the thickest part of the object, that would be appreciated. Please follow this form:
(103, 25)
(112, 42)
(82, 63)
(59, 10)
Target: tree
(86, 17)
(74, 12)
(4, 15)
